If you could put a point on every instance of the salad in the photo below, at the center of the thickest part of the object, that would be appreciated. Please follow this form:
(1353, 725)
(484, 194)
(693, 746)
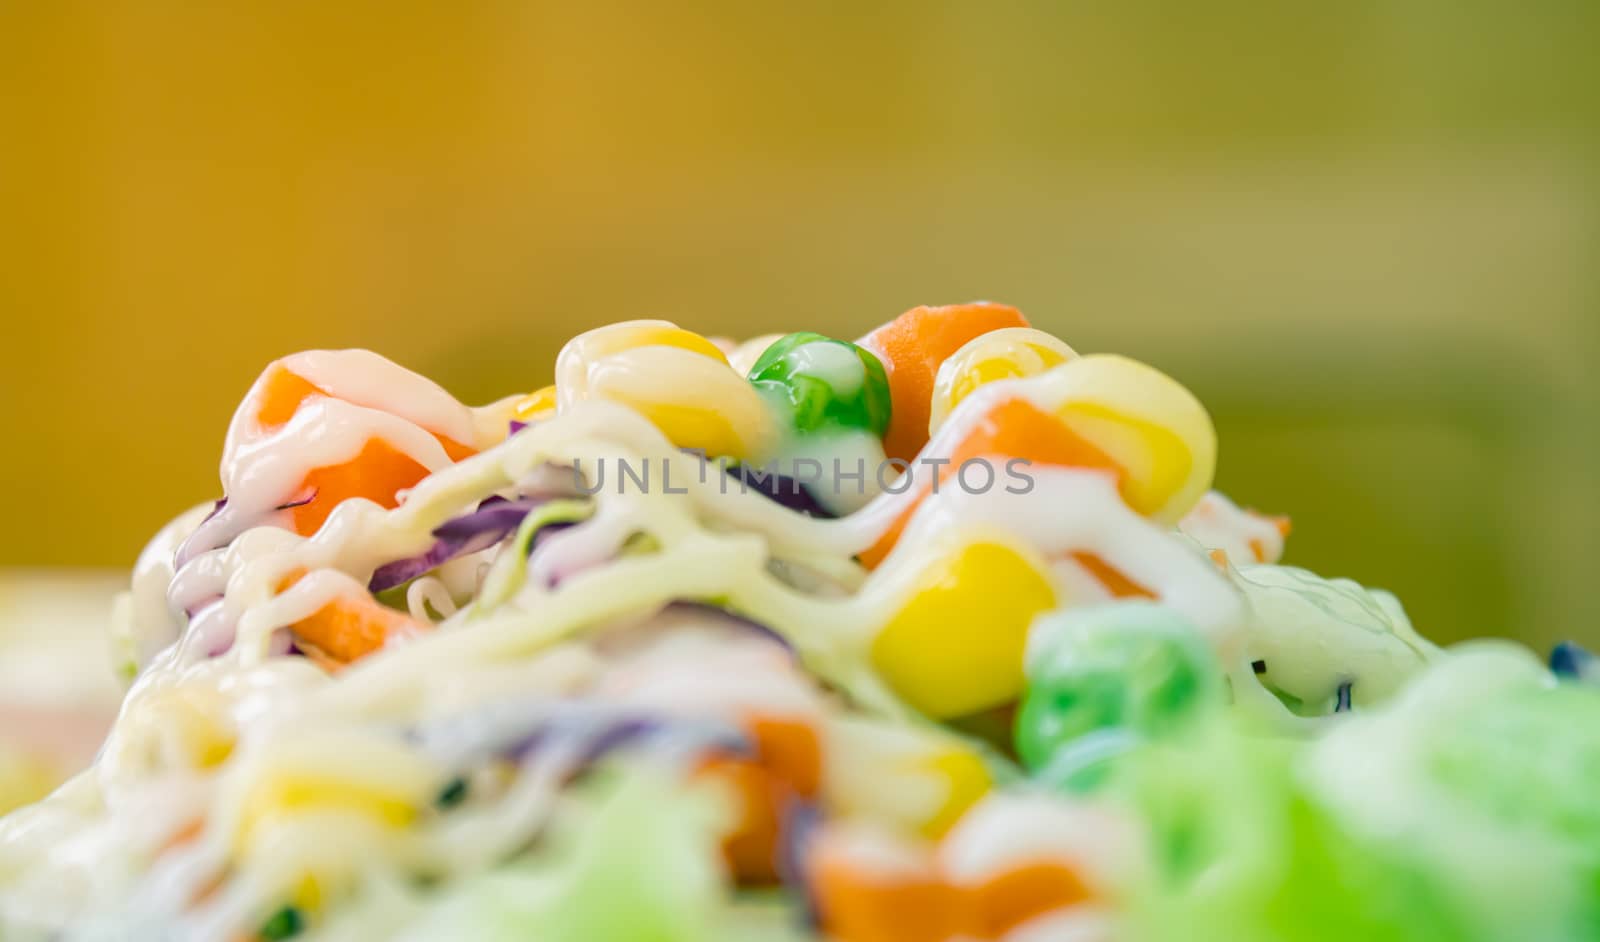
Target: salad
(937, 634)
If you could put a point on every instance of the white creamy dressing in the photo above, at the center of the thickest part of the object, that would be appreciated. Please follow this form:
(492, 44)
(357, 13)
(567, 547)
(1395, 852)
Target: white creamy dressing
(367, 397)
(743, 356)
(366, 379)
(835, 364)
(1217, 523)
(847, 463)
(712, 543)
(1314, 634)
(681, 666)
(1006, 831)
(427, 596)
(143, 622)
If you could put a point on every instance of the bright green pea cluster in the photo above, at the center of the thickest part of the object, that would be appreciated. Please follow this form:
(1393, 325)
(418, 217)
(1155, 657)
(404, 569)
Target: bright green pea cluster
(825, 383)
(1102, 680)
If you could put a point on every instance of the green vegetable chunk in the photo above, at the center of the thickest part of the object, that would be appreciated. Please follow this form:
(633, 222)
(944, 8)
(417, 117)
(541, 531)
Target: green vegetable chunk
(452, 794)
(1103, 679)
(284, 924)
(825, 383)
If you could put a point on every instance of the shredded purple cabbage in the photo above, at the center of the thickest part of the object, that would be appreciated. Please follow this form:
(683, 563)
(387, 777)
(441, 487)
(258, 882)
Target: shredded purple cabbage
(754, 627)
(588, 731)
(190, 548)
(187, 550)
(801, 822)
(780, 488)
(215, 509)
(298, 501)
(626, 730)
(493, 520)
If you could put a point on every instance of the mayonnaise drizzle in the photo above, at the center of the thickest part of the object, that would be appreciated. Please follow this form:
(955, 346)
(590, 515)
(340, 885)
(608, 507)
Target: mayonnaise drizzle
(711, 542)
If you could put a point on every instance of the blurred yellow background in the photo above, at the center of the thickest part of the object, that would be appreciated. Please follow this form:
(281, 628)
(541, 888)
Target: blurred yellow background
(1362, 232)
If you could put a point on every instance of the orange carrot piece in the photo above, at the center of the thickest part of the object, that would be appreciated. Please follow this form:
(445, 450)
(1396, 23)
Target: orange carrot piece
(791, 750)
(787, 765)
(1007, 900)
(858, 905)
(1118, 584)
(283, 395)
(912, 346)
(915, 902)
(751, 848)
(1015, 428)
(453, 449)
(347, 628)
(378, 473)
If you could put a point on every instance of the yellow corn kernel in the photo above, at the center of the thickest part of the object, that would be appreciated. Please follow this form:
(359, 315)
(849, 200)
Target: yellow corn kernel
(966, 780)
(666, 334)
(194, 722)
(291, 794)
(699, 428)
(308, 894)
(1149, 424)
(576, 361)
(539, 404)
(678, 380)
(957, 645)
(1008, 353)
(904, 777)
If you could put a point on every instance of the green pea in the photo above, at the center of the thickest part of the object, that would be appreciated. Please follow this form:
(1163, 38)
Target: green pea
(454, 793)
(284, 924)
(825, 383)
(1105, 678)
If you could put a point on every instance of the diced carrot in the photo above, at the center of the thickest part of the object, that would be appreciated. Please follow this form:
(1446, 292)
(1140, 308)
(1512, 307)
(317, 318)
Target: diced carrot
(911, 900)
(1258, 546)
(285, 391)
(347, 628)
(316, 656)
(751, 848)
(378, 473)
(790, 749)
(912, 346)
(1118, 584)
(1011, 898)
(1018, 429)
(1220, 558)
(787, 765)
(1015, 428)
(282, 394)
(858, 904)
(453, 449)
